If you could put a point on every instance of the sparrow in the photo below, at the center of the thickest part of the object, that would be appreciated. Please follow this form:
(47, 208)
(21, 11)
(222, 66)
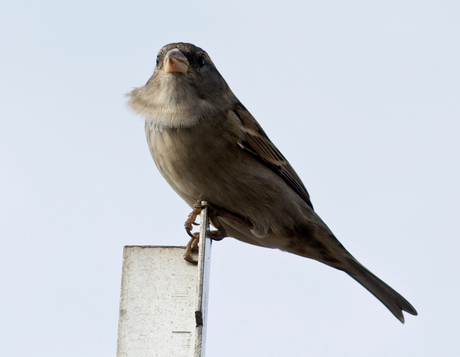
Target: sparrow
(209, 147)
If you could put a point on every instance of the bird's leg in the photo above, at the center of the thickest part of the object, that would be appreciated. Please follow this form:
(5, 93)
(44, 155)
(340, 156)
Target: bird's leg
(213, 213)
(195, 237)
(191, 218)
(191, 247)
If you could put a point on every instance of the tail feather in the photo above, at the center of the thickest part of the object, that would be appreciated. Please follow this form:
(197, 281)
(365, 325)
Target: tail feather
(389, 297)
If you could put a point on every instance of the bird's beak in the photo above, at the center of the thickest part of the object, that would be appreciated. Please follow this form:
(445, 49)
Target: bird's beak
(175, 61)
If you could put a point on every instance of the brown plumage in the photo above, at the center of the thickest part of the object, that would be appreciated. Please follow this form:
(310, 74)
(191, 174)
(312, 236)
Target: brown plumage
(196, 125)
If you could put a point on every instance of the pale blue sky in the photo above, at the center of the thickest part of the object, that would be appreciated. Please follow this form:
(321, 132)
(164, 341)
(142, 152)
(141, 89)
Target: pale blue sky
(361, 97)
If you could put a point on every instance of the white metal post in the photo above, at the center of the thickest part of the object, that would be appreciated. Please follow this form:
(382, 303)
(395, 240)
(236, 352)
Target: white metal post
(204, 265)
(163, 305)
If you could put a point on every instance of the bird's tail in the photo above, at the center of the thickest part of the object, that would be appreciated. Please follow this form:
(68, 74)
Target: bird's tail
(389, 297)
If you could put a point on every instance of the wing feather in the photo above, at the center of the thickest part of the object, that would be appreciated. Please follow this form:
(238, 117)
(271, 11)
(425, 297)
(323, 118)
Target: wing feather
(257, 142)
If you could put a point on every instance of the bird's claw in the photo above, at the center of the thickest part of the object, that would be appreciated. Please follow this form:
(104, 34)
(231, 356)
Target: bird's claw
(192, 246)
(191, 220)
(213, 213)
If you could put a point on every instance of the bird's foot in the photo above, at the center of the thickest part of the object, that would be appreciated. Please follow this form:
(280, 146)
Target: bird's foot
(213, 213)
(190, 222)
(192, 246)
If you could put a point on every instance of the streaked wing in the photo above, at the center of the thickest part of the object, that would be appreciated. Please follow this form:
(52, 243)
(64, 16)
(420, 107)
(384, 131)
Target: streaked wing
(258, 143)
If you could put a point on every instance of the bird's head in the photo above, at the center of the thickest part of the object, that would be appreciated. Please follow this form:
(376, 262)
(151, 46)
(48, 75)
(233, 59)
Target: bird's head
(184, 88)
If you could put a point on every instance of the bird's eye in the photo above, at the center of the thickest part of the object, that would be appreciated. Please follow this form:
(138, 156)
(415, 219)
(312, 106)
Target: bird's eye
(201, 61)
(158, 60)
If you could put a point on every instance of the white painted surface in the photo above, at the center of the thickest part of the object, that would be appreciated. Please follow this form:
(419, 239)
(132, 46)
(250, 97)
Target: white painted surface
(204, 268)
(164, 300)
(157, 308)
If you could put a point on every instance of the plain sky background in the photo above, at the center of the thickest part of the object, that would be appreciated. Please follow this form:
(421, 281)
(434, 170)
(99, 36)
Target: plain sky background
(362, 97)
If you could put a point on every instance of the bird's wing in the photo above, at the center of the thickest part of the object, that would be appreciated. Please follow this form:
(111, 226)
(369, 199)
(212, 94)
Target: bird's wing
(257, 143)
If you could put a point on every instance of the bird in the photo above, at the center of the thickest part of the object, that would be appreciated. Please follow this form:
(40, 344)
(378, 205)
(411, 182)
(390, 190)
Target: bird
(209, 147)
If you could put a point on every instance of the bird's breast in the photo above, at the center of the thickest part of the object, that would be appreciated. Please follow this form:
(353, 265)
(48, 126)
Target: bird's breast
(191, 161)
(199, 165)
